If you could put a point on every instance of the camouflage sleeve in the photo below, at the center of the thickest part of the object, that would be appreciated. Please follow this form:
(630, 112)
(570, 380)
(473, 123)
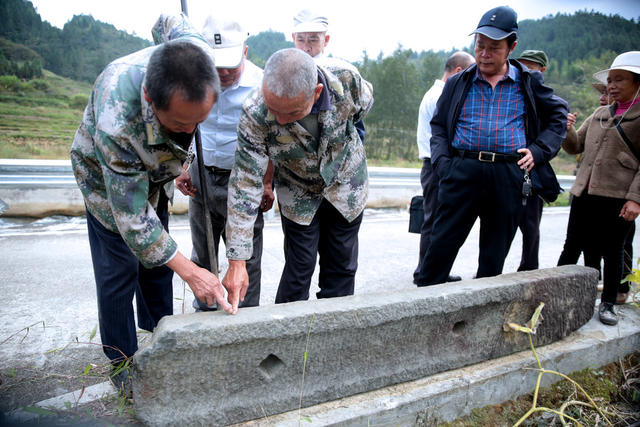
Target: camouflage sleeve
(127, 188)
(171, 27)
(245, 185)
(351, 82)
(362, 92)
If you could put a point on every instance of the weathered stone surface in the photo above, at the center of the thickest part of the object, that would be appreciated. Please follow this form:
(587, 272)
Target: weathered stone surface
(212, 368)
(443, 397)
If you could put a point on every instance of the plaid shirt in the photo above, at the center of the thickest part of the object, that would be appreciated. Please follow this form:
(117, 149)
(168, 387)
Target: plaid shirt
(493, 119)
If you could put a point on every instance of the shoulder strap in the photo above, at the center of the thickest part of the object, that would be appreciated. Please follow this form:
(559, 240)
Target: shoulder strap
(624, 136)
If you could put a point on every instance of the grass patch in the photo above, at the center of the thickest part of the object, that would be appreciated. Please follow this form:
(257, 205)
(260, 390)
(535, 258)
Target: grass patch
(615, 387)
(396, 163)
(562, 200)
(20, 148)
(39, 118)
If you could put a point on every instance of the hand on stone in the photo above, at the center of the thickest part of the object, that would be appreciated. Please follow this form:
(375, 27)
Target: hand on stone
(204, 284)
(236, 281)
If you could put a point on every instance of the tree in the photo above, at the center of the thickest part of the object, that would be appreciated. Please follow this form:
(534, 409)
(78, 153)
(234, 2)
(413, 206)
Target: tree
(264, 44)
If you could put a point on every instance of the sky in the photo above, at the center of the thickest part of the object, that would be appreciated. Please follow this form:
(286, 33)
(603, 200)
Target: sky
(355, 26)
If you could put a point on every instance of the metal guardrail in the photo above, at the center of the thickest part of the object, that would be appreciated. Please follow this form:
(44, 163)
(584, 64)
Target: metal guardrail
(58, 174)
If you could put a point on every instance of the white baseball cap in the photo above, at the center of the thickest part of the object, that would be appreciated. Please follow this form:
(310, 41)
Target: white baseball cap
(308, 21)
(629, 61)
(227, 39)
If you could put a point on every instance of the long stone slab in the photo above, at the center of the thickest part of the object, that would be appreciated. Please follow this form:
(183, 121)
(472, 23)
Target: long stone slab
(217, 369)
(443, 397)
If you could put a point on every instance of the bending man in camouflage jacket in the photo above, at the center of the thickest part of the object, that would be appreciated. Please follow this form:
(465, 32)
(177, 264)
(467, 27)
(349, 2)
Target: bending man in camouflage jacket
(303, 120)
(132, 141)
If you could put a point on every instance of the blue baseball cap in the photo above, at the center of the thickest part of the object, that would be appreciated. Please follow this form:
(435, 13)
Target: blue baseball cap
(498, 23)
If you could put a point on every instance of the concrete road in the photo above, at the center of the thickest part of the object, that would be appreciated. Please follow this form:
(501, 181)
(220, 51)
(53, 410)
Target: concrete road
(48, 315)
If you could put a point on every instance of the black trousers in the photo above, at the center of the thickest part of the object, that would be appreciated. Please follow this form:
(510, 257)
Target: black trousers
(217, 192)
(574, 243)
(530, 228)
(430, 185)
(119, 275)
(470, 190)
(602, 233)
(332, 237)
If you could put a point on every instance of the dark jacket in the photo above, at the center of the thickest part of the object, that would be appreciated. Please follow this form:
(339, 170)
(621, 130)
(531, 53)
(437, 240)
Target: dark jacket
(546, 116)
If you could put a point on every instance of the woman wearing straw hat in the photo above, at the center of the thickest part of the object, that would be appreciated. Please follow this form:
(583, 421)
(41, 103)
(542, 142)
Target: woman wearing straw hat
(607, 187)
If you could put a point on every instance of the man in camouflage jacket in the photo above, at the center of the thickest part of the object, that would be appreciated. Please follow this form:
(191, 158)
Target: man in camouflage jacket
(303, 120)
(132, 141)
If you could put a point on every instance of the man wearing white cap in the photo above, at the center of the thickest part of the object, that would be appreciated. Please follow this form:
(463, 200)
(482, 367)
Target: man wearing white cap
(310, 32)
(238, 78)
(310, 35)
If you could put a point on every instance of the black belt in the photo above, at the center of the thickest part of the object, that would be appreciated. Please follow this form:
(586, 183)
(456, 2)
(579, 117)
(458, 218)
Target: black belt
(488, 156)
(217, 171)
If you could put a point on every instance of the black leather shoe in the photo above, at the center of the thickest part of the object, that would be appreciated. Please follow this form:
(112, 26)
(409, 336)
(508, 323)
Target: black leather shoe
(121, 379)
(453, 278)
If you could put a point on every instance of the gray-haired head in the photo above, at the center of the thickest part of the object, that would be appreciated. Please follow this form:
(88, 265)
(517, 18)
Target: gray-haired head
(289, 72)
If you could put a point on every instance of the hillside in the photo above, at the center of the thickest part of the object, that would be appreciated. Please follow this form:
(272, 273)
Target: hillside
(81, 49)
(581, 35)
(38, 118)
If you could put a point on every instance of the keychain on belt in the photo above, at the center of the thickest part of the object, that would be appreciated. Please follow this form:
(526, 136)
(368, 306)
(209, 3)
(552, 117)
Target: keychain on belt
(526, 188)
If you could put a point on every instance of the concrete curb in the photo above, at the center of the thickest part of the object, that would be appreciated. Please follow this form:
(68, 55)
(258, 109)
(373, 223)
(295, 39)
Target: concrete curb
(78, 397)
(452, 394)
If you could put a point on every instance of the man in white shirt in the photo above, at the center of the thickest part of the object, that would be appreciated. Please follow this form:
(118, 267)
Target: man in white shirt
(238, 78)
(429, 180)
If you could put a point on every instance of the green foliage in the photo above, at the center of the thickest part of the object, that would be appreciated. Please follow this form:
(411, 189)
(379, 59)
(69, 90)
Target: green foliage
(17, 52)
(530, 329)
(13, 84)
(24, 69)
(262, 45)
(38, 410)
(79, 101)
(581, 35)
(39, 84)
(634, 285)
(578, 45)
(36, 119)
(401, 80)
(398, 89)
(613, 385)
(79, 51)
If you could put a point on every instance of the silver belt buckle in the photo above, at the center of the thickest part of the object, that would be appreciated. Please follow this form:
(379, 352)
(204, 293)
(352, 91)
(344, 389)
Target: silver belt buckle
(487, 156)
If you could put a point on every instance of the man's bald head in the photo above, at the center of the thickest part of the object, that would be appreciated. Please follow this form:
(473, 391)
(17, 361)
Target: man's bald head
(457, 62)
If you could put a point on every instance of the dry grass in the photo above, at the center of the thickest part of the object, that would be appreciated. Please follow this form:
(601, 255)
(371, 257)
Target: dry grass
(615, 387)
